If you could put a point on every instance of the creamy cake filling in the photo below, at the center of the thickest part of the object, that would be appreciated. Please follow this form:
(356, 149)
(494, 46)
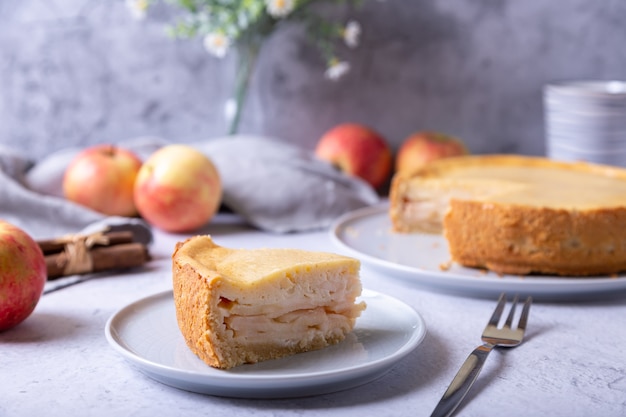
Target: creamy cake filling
(314, 307)
(425, 202)
(287, 329)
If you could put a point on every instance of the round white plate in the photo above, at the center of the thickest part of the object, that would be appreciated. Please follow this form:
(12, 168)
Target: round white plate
(424, 260)
(147, 335)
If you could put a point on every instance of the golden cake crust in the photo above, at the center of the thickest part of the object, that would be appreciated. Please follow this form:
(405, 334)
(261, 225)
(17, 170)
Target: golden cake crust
(296, 301)
(518, 215)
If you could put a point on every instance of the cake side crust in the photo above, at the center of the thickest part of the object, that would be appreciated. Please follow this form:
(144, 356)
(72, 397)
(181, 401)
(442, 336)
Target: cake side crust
(191, 300)
(523, 240)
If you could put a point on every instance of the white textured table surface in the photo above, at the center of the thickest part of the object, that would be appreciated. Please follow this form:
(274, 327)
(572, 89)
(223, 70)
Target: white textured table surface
(572, 363)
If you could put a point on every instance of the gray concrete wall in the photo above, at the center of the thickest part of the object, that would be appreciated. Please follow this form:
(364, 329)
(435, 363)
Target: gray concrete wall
(75, 72)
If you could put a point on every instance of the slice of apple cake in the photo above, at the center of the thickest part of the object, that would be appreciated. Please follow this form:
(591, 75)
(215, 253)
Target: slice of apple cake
(237, 306)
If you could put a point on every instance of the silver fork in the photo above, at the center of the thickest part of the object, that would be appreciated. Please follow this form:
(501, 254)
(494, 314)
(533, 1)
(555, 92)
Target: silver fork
(492, 336)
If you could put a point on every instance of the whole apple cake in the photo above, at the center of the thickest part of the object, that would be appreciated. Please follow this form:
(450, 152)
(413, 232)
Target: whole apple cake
(237, 306)
(518, 215)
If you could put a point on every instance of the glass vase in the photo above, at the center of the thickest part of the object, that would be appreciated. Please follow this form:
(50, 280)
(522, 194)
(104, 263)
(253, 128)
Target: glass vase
(247, 56)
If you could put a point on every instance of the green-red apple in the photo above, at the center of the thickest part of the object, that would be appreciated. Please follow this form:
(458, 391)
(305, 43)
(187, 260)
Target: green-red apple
(357, 150)
(102, 177)
(421, 148)
(178, 189)
(22, 275)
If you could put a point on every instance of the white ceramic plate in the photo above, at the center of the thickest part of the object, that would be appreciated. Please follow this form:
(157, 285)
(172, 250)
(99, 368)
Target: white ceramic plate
(366, 234)
(147, 335)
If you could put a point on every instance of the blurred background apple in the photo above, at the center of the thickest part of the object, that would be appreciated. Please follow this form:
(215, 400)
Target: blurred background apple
(178, 189)
(102, 177)
(421, 148)
(357, 150)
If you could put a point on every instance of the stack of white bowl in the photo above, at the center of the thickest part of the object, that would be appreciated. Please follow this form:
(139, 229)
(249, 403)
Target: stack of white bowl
(586, 121)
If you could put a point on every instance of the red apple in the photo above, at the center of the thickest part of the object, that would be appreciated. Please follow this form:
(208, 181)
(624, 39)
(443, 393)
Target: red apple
(178, 189)
(22, 275)
(102, 178)
(421, 148)
(357, 150)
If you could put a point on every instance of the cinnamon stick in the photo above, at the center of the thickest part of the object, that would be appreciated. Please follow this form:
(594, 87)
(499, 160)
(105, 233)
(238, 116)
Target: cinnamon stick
(115, 257)
(51, 246)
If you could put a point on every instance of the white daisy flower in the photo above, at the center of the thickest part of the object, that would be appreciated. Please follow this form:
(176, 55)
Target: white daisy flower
(216, 44)
(137, 8)
(280, 8)
(337, 69)
(352, 34)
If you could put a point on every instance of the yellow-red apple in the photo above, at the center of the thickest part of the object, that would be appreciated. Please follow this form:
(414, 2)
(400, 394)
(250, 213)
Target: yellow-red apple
(421, 148)
(178, 189)
(22, 275)
(102, 177)
(357, 150)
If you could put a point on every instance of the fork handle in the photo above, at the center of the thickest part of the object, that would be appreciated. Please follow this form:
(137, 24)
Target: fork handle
(462, 382)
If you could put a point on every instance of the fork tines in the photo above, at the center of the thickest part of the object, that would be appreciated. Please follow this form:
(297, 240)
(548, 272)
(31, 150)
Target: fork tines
(497, 314)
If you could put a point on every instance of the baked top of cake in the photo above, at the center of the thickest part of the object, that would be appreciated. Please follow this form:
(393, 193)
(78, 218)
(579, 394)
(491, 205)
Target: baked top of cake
(237, 306)
(424, 195)
(518, 215)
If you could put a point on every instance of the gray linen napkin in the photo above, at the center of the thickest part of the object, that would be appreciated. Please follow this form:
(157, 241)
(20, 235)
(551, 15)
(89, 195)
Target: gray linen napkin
(282, 188)
(273, 185)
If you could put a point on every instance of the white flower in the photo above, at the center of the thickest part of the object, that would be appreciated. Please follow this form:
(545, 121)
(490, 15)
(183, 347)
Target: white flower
(230, 109)
(216, 44)
(337, 69)
(352, 33)
(137, 8)
(280, 8)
